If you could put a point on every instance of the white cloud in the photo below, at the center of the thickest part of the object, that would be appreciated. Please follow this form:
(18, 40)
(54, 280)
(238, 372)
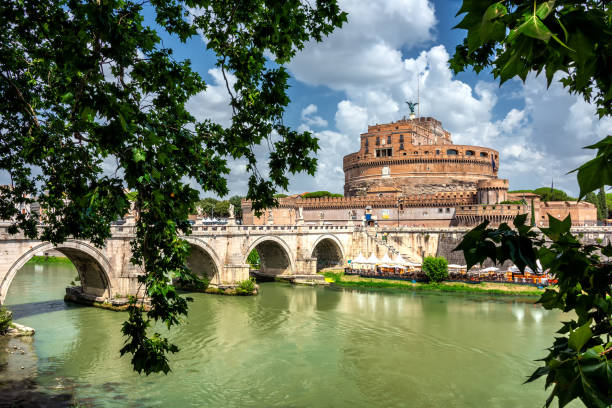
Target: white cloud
(310, 119)
(351, 119)
(214, 102)
(367, 47)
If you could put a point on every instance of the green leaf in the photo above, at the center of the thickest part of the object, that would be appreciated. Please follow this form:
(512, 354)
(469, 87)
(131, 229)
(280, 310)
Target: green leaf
(138, 155)
(544, 9)
(491, 29)
(532, 27)
(579, 337)
(594, 174)
(67, 97)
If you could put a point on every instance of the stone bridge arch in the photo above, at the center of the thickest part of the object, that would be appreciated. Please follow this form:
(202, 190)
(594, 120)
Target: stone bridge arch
(93, 267)
(328, 250)
(275, 256)
(203, 260)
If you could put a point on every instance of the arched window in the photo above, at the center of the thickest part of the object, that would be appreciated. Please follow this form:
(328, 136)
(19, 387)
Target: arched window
(469, 153)
(377, 141)
(452, 152)
(484, 154)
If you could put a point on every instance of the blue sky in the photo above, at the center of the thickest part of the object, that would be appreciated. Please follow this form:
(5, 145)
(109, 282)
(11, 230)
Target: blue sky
(363, 73)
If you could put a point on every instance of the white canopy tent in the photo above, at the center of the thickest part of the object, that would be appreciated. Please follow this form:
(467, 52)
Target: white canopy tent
(387, 260)
(372, 260)
(358, 261)
(399, 260)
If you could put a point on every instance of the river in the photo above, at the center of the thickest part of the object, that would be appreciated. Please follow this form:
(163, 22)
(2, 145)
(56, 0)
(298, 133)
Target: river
(290, 346)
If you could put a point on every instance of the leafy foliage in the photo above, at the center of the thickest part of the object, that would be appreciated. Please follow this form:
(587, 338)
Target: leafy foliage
(253, 259)
(87, 86)
(320, 194)
(436, 268)
(515, 37)
(246, 287)
(6, 318)
(577, 364)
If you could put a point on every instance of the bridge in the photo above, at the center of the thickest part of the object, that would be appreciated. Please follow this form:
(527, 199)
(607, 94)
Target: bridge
(293, 252)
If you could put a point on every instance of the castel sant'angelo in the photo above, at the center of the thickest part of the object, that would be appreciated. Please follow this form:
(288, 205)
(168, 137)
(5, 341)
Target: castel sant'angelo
(409, 173)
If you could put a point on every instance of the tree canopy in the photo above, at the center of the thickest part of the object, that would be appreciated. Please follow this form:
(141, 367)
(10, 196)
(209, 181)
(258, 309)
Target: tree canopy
(548, 194)
(320, 194)
(93, 104)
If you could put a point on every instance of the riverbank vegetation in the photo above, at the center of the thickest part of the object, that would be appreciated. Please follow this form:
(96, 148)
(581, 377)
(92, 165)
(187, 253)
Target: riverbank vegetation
(337, 277)
(49, 260)
(436, 268)
(6, 318)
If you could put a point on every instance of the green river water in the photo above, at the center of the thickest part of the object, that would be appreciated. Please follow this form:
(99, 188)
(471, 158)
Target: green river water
(290, 346)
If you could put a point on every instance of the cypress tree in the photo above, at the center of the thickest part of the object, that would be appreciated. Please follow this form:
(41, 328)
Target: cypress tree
(602, 207)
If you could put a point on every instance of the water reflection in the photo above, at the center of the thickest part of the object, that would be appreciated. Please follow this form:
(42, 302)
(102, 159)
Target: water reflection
(297, 346)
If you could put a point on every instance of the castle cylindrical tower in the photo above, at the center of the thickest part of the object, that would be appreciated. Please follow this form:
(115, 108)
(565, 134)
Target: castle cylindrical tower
(415, 156)
(492, 191)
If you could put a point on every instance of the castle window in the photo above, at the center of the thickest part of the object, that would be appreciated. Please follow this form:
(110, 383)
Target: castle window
(401, 146)
(384, 152)
(404, 153)
(452, 152)
(389, 139)
(401, 138)
(484, 154)
(448, 210)
(396, 128)
(426, 152)
(437, 151)
(440, 210)
(416, 152)
(469, 153)
(367, 150)
(366, 142)
(377, 141)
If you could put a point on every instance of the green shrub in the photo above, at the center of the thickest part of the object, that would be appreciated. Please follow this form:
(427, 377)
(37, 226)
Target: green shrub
(6, 319)
(436, 268)
(246, 287)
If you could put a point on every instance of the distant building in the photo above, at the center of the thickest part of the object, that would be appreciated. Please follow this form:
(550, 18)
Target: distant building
(410, 173)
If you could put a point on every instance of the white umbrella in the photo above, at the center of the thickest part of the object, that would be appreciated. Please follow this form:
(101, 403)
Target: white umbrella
(455, 266)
